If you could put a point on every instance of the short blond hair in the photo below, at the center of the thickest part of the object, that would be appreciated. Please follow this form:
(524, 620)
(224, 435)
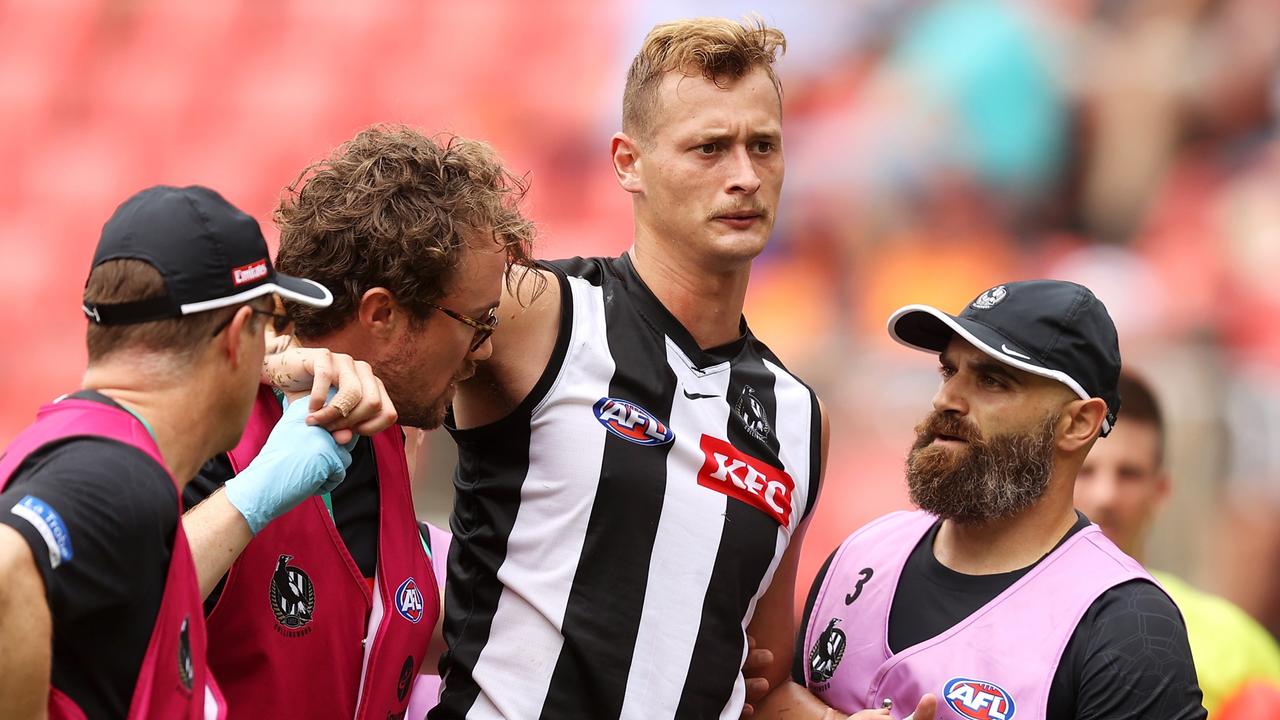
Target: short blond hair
(718, 49)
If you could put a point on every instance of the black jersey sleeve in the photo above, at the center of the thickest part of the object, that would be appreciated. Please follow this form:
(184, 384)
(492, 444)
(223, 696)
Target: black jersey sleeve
(212, 475)
(798, 661)
(1128, 658)
(99, 517)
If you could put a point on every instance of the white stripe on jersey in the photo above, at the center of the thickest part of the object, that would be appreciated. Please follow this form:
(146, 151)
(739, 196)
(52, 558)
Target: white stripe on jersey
(547, 538)
(684, 551)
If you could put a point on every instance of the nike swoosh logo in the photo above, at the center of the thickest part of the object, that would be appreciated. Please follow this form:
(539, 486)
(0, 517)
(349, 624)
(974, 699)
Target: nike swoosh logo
(1015, 353)
(696, 396)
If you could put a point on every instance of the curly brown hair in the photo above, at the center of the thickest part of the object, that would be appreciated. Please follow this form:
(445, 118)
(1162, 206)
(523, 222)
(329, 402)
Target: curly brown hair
(718, 49)
(393, 208)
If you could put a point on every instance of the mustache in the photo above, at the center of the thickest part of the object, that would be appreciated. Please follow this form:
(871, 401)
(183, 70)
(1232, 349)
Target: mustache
(740, 207)
(937, 424)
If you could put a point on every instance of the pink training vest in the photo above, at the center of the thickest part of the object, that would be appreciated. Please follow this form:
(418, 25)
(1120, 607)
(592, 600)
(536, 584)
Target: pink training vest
(174, 681)
(296, 631)
(997, 662)
(426, 689)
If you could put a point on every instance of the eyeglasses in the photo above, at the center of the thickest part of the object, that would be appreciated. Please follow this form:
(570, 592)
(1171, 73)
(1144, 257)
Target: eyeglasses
(484, 328)
(279, 322)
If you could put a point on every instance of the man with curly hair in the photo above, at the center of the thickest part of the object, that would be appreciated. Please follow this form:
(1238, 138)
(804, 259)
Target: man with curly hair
(328, 610)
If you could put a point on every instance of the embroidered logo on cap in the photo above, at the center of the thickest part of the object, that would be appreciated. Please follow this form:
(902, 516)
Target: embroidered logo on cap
(249, 273)
(991, 298)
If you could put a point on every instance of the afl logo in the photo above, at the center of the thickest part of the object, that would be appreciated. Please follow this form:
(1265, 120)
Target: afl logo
(991, 298)
(409, 601)
(978, 700)
(827, 653)
(631, 422)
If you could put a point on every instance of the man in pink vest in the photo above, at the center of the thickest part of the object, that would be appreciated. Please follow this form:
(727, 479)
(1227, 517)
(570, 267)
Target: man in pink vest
(329, 609)
(997, 596)
(100, 611)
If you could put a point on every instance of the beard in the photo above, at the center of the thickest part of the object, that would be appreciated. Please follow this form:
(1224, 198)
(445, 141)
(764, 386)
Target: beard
(413, 407)
(989, 479)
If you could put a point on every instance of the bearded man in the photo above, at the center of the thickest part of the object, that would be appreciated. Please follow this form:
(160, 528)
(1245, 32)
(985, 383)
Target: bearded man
(998, 596)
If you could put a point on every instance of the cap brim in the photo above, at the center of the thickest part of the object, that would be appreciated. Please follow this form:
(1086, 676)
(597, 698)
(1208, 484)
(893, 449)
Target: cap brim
(929, 329)
(307, 292)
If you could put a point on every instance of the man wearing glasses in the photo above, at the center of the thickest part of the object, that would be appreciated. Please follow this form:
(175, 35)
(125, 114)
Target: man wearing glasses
(329, 609)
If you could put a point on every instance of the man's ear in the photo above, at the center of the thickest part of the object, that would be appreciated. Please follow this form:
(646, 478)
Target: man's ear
(379, 313)
(1080, 423)
(626, 162)
(232, 340)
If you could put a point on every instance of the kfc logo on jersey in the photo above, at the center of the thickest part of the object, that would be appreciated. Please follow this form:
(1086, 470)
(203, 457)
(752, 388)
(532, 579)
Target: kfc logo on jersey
(249, 273)
(409, 601)
(631, 422)
(755, 482)
(978, 700)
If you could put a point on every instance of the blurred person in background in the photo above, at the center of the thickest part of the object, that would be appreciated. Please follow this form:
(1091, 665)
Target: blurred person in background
(100, 612)
(636, 468)
(997, 595)
(1122, 486)
(328, 610)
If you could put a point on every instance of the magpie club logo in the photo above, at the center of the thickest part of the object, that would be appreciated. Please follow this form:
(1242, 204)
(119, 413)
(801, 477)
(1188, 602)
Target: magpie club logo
(293, 597)
(991, 298)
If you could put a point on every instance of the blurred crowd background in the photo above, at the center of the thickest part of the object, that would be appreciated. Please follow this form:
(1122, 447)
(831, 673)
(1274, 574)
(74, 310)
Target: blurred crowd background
(934, 148)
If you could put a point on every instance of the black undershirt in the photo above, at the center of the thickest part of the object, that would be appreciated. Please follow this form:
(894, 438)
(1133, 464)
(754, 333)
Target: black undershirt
(1128, 657)
(120, 509)
(355, 506)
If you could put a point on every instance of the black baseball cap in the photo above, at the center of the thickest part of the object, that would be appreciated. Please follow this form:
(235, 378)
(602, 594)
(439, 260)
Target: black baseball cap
(210, 254)
(1051, 328)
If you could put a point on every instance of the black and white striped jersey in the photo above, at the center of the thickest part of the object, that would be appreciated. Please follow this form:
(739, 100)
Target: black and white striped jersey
(614, 533)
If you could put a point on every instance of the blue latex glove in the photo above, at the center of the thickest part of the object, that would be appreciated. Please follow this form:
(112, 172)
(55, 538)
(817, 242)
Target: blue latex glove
(297, 461)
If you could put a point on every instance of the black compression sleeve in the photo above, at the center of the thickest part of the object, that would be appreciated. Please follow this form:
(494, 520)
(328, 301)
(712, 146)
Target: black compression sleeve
(213, 475)
(1128, 658)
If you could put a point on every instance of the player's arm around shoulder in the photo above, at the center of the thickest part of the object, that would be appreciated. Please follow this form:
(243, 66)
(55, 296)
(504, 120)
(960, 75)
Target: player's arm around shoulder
(25, 630)
(528, 327)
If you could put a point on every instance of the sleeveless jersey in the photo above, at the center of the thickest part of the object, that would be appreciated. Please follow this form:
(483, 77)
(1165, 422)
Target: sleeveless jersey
(174, 680)
(613, 534)
(297, 630)
(997, 662)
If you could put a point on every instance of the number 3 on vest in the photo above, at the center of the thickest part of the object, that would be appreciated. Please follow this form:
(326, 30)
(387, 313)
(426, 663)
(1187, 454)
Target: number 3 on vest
(865, 574)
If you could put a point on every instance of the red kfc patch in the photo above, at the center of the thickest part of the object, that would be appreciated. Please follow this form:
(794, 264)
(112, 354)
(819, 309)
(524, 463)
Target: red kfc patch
(755, 482)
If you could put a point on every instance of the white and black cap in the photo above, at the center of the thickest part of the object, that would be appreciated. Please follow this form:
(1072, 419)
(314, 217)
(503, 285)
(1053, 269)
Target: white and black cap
(1051, 328)
(210, 254)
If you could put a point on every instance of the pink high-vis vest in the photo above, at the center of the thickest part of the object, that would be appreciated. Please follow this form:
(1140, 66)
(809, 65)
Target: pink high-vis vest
(174, 680)
(996, 664)
(426, 689)
(297, 631)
